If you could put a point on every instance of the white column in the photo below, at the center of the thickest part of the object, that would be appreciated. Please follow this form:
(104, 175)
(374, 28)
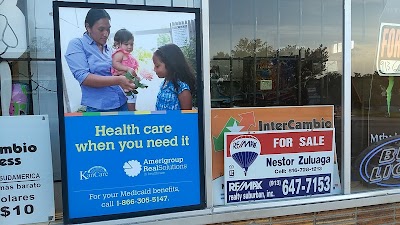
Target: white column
(346, 99)
(205, 34)
(5, 88)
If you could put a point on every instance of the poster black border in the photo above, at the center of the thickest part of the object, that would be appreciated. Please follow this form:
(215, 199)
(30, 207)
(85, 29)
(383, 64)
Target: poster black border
(60, 96)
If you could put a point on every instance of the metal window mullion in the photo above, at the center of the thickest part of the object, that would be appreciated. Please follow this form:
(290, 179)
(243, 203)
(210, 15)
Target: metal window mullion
(231, 55)
(255, 54)
(205, 33)
(346, 99)
(301, 24)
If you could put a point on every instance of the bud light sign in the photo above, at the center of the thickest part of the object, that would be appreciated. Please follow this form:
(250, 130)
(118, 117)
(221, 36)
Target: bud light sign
(379, 164)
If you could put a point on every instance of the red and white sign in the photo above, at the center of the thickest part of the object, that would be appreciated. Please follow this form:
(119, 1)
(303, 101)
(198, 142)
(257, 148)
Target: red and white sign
(278, 164)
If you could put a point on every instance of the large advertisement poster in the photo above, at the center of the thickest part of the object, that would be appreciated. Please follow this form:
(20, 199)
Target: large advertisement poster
(263, 119)
(264, 165)
(121, 162)
(26, 170)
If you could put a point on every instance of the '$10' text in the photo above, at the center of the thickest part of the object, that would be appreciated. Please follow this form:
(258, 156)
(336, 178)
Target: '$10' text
(17, 210)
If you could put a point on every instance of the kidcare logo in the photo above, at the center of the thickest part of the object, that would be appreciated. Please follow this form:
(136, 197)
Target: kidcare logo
(380, 164)
(94, 172)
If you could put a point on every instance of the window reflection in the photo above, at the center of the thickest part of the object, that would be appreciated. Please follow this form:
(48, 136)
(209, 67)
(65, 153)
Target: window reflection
(375, 98)
(275, 52)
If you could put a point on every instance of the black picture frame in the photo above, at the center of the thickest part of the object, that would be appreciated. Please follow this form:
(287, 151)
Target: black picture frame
(61, 112)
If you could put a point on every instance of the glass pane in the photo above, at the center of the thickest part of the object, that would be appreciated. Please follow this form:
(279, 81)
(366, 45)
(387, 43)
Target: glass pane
(183, 3)
(102, 1)
(311, 18)
(276, 53)
(242, 28)
(43, 14)
(40, 29)
(267, 27)
(289, 24)
(132, 2)
(73, 0)
(196, 3)
(220, 29)
(287, 45)
(44, 96)
(375, 94)
(42, 44)
(159, 2)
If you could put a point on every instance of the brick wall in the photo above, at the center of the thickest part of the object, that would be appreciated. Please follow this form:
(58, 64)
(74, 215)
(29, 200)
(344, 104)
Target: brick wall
(369, 215)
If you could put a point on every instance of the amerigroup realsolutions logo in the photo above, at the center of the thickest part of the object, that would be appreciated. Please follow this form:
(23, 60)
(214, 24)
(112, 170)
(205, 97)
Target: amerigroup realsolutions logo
(132, 168)
(94, 172)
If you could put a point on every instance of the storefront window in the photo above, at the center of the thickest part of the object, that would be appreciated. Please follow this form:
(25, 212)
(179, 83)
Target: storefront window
(272, 56)
(279, 53)
(274, 53)
(375, 93)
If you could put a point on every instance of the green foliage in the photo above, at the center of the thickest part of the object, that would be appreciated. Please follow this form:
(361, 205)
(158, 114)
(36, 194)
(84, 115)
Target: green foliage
(136, 81)
(222, 55)
(143, 54)
(246, 47)
(163, 39)
(314, 62)
(190, 53)
(81, 109)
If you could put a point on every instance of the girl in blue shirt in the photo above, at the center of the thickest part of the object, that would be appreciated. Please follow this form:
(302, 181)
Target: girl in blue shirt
(179, 84)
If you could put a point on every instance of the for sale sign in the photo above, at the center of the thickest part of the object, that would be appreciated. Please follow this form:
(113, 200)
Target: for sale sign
(265, 165)
(388, 54)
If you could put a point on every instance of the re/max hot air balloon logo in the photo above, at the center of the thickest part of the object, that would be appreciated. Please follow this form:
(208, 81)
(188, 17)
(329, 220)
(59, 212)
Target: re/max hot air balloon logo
(244, 150)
